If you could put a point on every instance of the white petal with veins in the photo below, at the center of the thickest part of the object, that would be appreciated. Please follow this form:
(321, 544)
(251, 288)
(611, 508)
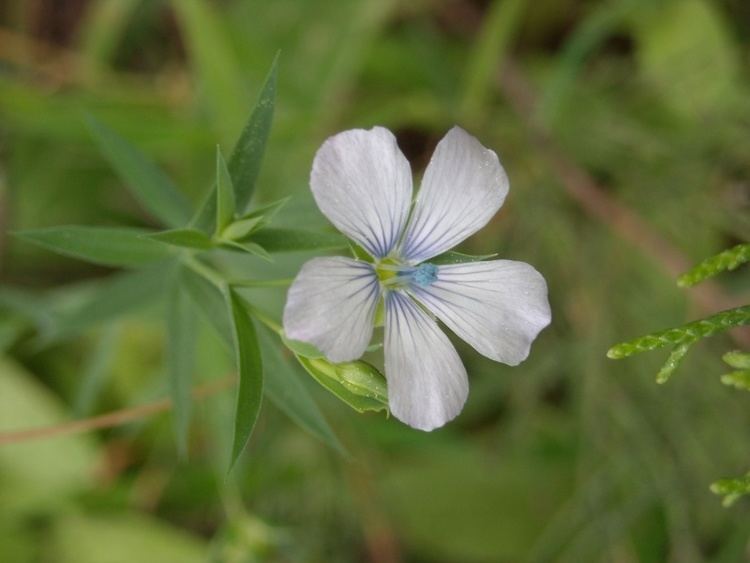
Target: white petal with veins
(498, 306)
(362, 183)
(427, 383)
(463, 187)
(331, 304)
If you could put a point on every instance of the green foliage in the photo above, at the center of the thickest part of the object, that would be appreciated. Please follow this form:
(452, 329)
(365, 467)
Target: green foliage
(126, 247)
(180, 361)
(732, 489)
(149, 184)
(225, 204)
(723, 262)
(683, 337)
(185, 238)
(295, 240)
(249, 371)
(570, 457)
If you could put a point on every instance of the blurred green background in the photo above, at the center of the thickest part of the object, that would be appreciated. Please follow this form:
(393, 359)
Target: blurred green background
(568, 457)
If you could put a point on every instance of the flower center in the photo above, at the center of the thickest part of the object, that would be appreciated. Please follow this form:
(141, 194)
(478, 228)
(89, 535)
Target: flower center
(393, 275)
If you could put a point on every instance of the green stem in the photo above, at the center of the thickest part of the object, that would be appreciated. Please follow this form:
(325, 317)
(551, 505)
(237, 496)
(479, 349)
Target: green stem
(205, 271)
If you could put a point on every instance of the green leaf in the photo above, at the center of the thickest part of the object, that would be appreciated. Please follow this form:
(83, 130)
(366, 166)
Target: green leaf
(738, 379)
(451, 257)
(95, 371)
(253, 220)
(673, 361)
(210, 302)
(127, 247)
(732, 489)
(358, 384)
(250, 369)
(244, 164)
(737, 359)
(285, 388)
(686, 333)
(293, 240)
(119, 295)
(184, 238)
(149, 184)
(180, 360)
(225, 204)
(726, 261)
(249, 247)
(269, 210)
(241, 228)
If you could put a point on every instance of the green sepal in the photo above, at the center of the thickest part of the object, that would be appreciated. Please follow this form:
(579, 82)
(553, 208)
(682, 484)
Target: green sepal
(241, 228)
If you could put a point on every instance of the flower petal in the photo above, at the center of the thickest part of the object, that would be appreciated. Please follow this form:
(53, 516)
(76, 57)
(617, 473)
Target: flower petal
(463, 187)
(427, 383)
(331, 304)
(498, 307)
(362, 182)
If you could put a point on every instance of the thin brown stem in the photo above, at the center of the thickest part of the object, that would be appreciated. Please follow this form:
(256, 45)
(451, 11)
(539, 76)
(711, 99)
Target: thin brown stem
(110, 419)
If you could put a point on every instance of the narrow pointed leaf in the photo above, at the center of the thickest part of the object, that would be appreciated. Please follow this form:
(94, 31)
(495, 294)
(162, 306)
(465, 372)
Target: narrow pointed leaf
(250, 248)
(244, 163)
(285, 388)
(210, 303)
(294, 240)
(268, 210)
(241, 228)
(117, 296)
(180, 361)
(283, 375)
(250, 370)
(127, 247)
(148, 183)
(225, 205)
(246, 159)
(184, 238)
(95, 371)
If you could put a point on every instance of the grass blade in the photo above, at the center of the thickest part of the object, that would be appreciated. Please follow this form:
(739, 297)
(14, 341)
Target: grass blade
(147, 182)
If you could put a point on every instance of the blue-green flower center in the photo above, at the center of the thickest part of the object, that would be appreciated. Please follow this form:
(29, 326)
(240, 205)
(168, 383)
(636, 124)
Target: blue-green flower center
(394, 275)
(424, 274)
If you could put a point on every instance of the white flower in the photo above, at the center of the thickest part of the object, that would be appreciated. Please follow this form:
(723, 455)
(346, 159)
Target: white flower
(362, 183)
